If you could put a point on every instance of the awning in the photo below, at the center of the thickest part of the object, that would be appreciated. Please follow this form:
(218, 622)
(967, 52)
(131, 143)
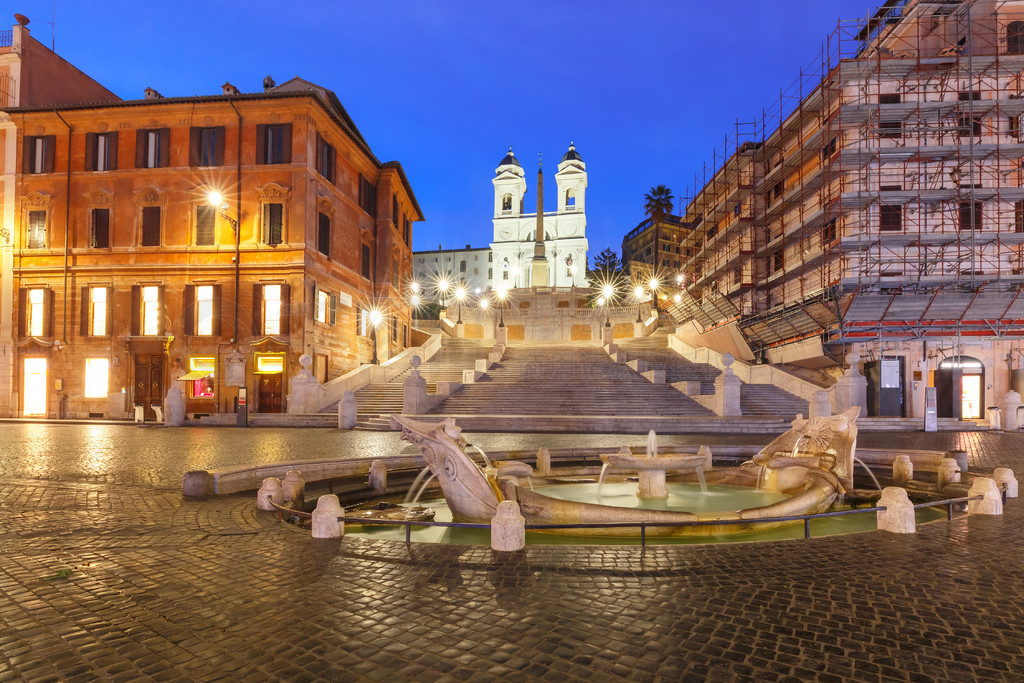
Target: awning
(195, 374)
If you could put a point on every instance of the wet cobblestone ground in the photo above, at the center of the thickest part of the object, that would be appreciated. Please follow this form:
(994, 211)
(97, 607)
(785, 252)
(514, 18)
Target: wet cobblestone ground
(107, 573)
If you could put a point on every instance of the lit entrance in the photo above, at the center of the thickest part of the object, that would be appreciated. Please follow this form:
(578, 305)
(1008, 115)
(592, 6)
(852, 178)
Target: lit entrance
(270, 382)
(34, 386)
(960, 388)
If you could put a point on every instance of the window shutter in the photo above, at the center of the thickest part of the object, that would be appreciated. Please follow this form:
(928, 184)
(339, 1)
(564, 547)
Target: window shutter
(140, 149)
(136, 309)
(84, 329)
(257, 310)
(110, 312)
(331, 163)
(286, 143)
(161, 311)
(312, 302)
(165, 147)
(26, 156)
(195, 140)
(286, 307)
(218, 150)
(22, 311)
(334, 308)
(90, 151)
(188, 305)
(48, 312)
(216, 310)
(49, 153)
(112, 151)
(261, 143)
(320, 155)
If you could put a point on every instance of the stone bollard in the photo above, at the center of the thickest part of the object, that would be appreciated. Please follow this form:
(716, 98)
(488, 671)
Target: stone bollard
(1009, 407)
(198, 484)
(271, 488)
(960, 457)
(325, 517)
(544, 461)
(293, 487)
(347, 411)
(902, 469)
(378, 476)
(1004, 477)
(898, 515)
(992, 500)
(948, 473)
(508, 528)
(705, 453)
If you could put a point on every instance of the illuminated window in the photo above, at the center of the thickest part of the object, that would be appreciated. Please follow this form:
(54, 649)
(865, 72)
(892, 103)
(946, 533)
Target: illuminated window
(272, 309)
(98, 311)
(204, 310)
(269, 364)
(150, 311)
(96, 374)
(324, 307)
(36, 313)
(36, 229)
(201, 368)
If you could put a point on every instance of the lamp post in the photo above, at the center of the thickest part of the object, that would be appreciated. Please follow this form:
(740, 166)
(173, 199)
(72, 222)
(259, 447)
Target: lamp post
(217, 199)
(607, 293)
(460, 294)
(638, 294)
(653, 284)
(375, 320)
(442, 286)
(502, 293)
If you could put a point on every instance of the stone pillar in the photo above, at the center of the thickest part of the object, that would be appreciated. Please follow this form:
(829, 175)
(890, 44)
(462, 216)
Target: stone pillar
(1004, 476)
(271, 488)
(414, 388)
(305, 389)
(821, 406)
(852, 388)
(948, 473)
(174, 407)
(727, 391)
(902, 469)
(1011, 402)
(652, 484)
(347, 410)
(606, 334)
(544, 461)
(501, 336)
(508, 528)
(898, 515)
(293, 487)
(325, 518)
(992, 500)
(200, 484)
(378, 476)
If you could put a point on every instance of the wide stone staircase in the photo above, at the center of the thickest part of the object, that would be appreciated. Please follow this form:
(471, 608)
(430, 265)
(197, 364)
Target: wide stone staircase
(376, 402)
(549, 379)
(756, 400)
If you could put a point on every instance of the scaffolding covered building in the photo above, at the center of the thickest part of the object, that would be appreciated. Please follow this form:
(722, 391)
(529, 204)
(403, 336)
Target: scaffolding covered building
(877, 207)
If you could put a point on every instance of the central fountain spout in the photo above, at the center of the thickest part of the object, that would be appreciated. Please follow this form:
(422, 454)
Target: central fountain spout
(796, 446)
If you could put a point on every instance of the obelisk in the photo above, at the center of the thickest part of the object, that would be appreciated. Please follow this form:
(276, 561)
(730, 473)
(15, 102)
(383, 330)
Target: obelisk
(539, 266)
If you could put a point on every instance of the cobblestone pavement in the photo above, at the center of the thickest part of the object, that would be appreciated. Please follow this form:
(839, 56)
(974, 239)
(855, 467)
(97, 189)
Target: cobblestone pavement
(108, 573)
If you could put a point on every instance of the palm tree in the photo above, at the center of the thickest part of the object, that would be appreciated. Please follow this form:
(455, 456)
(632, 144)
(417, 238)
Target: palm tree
(658, 202)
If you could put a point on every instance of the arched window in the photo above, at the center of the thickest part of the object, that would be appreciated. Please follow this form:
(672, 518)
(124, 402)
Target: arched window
(462, 266)
(506, 203)
(1015, 38)
(570, 198)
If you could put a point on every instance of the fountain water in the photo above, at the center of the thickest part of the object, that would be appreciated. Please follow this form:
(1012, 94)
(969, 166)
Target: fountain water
(870, 473)
(424, 473)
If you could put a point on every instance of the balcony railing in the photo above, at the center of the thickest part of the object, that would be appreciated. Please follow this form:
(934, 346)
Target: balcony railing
(6, 38)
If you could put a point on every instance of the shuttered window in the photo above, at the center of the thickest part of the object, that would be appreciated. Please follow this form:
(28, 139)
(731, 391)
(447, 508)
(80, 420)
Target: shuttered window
(100, 235)
(273, 223)
(151, 226)
(206, 221)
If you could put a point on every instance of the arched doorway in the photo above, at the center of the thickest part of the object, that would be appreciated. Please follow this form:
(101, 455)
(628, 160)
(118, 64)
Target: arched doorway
(960, 388)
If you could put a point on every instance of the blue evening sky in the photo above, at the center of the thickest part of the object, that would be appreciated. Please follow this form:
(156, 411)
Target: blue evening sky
(646, 89)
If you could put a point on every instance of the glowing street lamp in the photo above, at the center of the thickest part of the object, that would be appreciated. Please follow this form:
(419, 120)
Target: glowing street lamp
(515, 275)
(653, 285)
(502, 293)
(460, 294)
(376, 318)
(442, 286)
(217, 200)
(608, 292)
(638, 294)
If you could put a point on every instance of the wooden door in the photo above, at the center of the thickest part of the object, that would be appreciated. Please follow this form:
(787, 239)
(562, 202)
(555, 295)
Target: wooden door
(149, 381)
(270, 393)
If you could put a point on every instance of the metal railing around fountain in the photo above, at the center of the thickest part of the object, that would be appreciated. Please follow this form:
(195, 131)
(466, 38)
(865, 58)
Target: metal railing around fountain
(806, 519)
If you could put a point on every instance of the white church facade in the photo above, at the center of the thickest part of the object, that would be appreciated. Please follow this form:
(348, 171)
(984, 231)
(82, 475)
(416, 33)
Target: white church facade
(514, 238)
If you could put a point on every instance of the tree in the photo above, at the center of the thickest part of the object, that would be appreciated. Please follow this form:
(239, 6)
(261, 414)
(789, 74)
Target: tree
(658, 202)
(606, 264)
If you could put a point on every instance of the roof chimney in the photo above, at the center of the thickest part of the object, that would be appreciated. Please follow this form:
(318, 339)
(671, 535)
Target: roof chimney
(153, 94)
(229, 89)
(268, 84)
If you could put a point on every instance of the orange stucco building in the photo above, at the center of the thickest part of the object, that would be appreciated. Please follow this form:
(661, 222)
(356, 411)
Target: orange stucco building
(125, 277)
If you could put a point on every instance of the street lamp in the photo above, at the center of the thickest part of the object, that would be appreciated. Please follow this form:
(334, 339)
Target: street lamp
(608, 292)
(442, 286)
(502, 293)
(376, 317)
(653, 284)
(217, 199)
(515, 275)
(638, 294)
(460, 294)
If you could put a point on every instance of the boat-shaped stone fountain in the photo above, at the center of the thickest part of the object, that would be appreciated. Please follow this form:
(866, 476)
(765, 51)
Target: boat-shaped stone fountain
(810, 465)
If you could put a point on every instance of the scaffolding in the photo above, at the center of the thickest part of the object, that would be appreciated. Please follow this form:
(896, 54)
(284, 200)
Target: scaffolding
(886, 176)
